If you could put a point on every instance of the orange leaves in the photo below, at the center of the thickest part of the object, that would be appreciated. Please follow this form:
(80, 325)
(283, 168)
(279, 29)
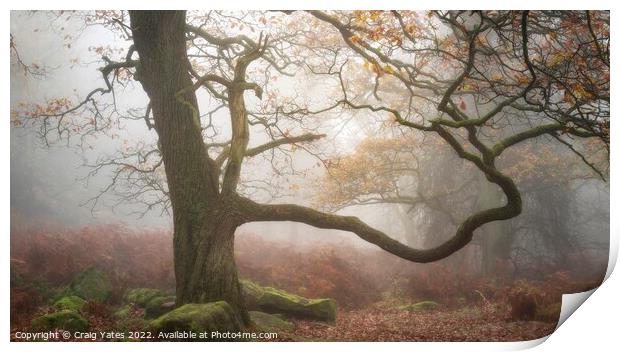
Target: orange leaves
(559, 57)
(372, 67)
(378, 26)
(356, 39)
(496, 77)
(15, 121)
(535, 164)
(530, 163)
(521, 78)
(388, 69)
(411, 28)
(378, 70)
(581, 93)
(51, 107)
(360, 17)
(371, 170)
(577, 93)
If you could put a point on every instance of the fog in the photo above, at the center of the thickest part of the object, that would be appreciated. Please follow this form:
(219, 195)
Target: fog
(50, 183)
(53, 184)
(313, 173)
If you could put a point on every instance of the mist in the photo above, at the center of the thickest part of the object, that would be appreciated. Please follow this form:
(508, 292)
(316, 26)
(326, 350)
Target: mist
(362, 178)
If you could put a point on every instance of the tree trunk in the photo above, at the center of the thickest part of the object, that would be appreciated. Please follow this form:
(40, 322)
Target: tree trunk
(496, 237)
(205, 269)
(203, 226)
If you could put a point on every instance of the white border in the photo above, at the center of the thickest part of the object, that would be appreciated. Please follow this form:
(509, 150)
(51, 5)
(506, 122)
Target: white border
(592, 327)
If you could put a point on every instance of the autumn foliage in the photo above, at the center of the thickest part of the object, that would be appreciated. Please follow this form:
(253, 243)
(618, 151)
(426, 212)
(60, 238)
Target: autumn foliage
(45, 260)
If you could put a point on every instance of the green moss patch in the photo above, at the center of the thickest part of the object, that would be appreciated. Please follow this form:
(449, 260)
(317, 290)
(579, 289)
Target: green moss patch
(123, 312)
(198, 318)
(270, 322)
(158, 306)
(252, 293)
(73, 303)
(91, 285)
(142, 296)
(272, 300)
(65, 319)
(276, 301)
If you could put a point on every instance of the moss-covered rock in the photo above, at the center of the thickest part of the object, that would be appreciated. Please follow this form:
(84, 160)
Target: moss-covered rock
(91, 285)
(123, 312)
(73, 303)
(420, 306)
(142, 296)
(198, 318)
(270, 322)
(65, 319)
(158, 306)
(272, 300)
(277, 301)
(128, 318)
(252, 293)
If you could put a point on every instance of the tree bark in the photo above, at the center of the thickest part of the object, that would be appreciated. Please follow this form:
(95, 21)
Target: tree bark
(496, 237)
(205, 269)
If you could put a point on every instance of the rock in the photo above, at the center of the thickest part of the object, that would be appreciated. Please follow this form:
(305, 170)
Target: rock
(91, 285)
(154, 301)
(65, 319)
(73, 303)
(127, 319)
(198, 318)
(270, 322)
(277, 301)
(158, 306)
(123, 312)
(142, 296)
(252, 293)
(272, 300)
(420, 306)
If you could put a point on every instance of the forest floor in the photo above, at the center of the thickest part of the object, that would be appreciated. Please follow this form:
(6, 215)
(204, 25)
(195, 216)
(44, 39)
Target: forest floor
(368, 290)
(378, 323)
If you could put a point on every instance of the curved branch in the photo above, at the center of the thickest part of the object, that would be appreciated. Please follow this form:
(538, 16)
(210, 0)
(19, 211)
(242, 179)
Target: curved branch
(252, 211)
(534, 132)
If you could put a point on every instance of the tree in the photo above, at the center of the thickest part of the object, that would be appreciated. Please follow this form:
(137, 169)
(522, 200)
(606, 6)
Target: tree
(491, 60)
(407, 172)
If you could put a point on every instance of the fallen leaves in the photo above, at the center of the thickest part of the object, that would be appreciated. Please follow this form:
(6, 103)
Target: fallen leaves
(380, 324)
